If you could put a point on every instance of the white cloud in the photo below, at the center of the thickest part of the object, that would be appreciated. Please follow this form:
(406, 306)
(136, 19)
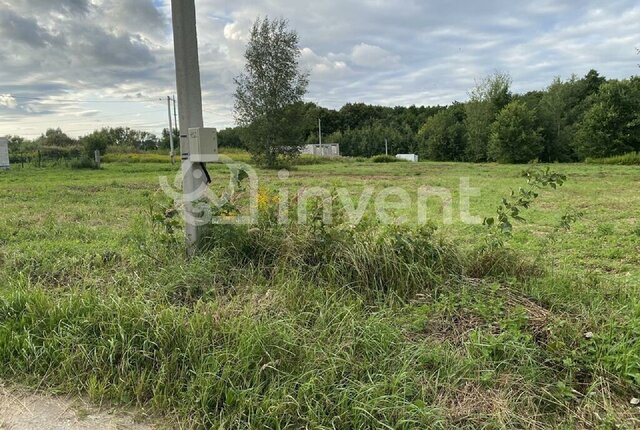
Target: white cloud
(366, 55)
(8, 101)
(322, 67)
(237, 31)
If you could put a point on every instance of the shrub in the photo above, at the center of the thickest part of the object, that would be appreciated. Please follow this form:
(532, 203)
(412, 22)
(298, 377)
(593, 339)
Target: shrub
(96, 141)
(57, 152)
(385, 159)
(84, 163)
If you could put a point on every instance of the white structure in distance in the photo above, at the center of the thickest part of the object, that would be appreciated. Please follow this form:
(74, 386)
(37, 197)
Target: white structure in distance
(4, 153)
(324, 150)
(408, 157)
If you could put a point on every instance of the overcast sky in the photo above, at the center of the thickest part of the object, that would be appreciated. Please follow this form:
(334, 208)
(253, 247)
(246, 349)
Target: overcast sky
(84, 64)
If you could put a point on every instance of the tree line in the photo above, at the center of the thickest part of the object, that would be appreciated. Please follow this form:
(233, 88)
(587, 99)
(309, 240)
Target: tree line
(569, 121)
(56, 144)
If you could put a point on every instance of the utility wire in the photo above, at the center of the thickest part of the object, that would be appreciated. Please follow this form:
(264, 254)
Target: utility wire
(49, 99)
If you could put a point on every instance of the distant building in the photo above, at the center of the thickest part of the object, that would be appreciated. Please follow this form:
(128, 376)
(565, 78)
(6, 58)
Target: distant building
(4, 153)
(408, 157)
(324, 150)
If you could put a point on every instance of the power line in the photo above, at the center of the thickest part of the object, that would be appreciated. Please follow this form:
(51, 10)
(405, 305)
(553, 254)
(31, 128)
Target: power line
(50, 99)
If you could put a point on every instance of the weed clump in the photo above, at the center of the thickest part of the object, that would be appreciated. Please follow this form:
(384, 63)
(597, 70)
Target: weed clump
(401, 261)
(500, 262)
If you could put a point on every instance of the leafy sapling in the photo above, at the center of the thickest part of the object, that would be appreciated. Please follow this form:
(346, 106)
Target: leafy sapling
(512, 206)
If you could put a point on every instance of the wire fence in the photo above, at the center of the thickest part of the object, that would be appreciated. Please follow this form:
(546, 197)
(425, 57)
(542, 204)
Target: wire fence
(47, 157)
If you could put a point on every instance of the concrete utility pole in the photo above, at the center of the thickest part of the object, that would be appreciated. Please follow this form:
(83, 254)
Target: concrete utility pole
(173, 152)
(185, 40)
(386, 147)
(320, 132)
(175, 112)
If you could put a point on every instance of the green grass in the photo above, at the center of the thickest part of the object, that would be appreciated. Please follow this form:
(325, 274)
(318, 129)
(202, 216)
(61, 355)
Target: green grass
(378, 327)
(115, 156)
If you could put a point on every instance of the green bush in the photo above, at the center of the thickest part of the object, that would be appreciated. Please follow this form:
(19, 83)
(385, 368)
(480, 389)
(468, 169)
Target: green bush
(84, 163)
(47, 153)
(57, 152)
(96, 141)
(370, 258)
(385, 159)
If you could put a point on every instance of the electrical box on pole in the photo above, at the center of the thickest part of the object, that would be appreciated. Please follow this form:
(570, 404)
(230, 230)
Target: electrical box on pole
(203, 145)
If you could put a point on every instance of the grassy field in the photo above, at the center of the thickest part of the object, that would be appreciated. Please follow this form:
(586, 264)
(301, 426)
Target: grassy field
(376, 327)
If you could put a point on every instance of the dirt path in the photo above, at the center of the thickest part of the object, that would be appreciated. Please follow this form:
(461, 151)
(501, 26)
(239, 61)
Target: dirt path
(21, 410)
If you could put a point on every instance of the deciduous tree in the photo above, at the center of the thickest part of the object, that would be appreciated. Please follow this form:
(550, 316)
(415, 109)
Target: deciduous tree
(515, 138)
(612, 125)
(269, 92)
(485, 101)
(442, 138)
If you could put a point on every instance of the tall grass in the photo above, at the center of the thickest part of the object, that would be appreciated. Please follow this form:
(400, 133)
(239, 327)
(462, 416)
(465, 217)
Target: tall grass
(131, 157)
(270, 365)
(395, 261)
(629, 159)
(267, 328)
(315, 326)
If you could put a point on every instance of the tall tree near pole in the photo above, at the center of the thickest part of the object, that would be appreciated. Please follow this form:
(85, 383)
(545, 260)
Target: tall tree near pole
(190, 106)
(269, 93)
